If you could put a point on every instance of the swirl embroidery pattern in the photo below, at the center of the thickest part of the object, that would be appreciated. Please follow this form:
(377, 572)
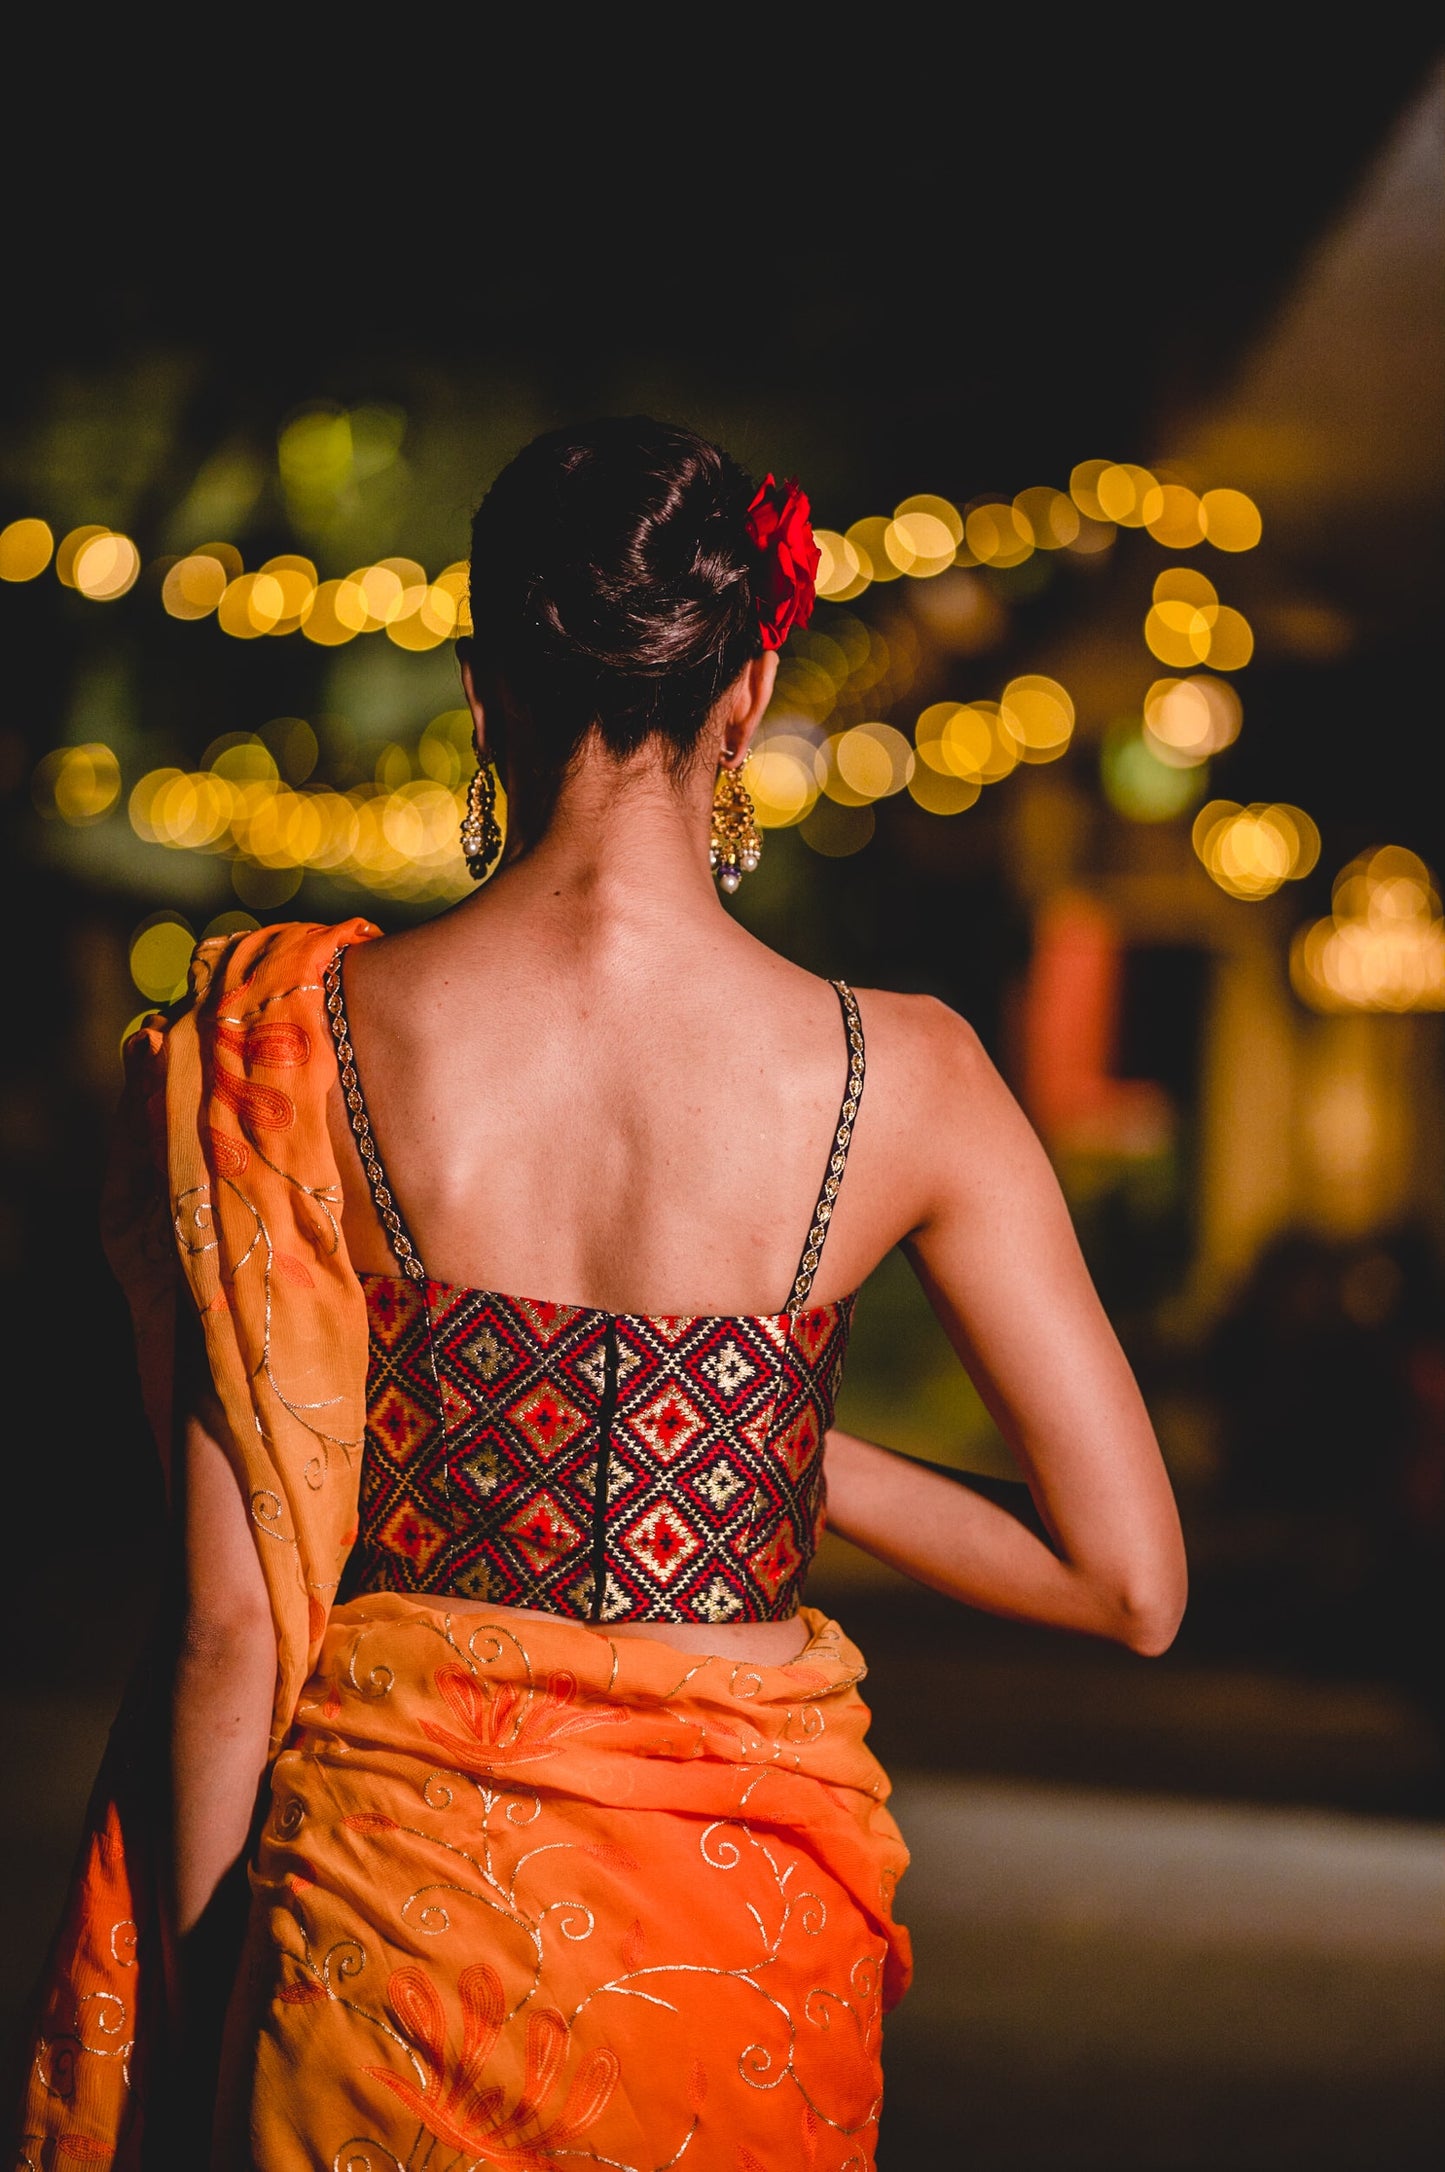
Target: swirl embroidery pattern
(537, 1895)
(223, 1195)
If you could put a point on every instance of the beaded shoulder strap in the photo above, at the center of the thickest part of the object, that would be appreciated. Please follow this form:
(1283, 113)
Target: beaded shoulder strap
(408, 1259)
(838, 1158)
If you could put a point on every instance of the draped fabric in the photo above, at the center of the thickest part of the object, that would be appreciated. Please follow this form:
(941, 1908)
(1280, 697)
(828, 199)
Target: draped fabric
(529, 1893)
(224, 1193)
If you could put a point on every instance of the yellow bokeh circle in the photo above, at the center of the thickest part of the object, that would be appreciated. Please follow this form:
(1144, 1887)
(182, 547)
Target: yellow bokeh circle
(1039, 715)
(194, 586)
(160, 957)
(1231, 520)
(106, 567)
(26, 549)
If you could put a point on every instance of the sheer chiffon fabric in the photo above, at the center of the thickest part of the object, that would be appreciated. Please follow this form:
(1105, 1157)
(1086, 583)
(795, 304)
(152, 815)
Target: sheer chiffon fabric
(530, 1894)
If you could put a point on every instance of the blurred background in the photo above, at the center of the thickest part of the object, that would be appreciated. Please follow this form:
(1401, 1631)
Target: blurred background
(1115, 376)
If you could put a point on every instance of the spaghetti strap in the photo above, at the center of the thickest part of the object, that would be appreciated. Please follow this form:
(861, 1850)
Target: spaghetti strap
(408, 1259)
(838, 1157)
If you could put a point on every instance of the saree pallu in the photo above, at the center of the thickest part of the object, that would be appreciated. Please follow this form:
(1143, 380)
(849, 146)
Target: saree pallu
(529, 1895)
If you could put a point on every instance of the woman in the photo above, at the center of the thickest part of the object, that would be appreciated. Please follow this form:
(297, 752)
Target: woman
(572, 1848)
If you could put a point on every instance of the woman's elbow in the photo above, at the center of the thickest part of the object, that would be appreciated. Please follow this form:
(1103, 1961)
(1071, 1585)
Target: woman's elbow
(1149, 1613)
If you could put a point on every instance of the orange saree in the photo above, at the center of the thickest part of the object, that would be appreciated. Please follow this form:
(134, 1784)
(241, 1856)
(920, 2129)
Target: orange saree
(526, 1894)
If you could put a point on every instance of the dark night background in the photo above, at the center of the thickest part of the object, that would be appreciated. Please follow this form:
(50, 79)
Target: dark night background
(933, 257)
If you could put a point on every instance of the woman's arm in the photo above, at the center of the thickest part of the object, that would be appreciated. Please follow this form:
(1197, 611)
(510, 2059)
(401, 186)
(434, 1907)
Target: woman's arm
(995, 1249)
(937, 1529)
(225, 1679)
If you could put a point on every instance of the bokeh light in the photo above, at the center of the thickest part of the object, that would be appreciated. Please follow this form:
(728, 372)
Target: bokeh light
(941, 793)
(1252, 851)
(295, 579)
(784, 777)
(1174, 516)
(251, 801)
(1186, 584)
(869, 539)
(1084, 487)
(969, 740)
(842, 574)
(105, 567)
(1231, 520)
(826, 754)
(251, 606)
(160, 956)
(998, 535)
(322, 621)
(1039, 714)
(1231, 640)
(314, 452)
(872, 760)
(446, 751)
(1052, 516)
(923, 536)
(1137, 784)
(79, 785)
(1123, 491)
(836, 831)
(1188, 625)
(1383, 946)
(1094, 537)
(69, 549)
(26, 549)
(1188, 720)
(194, 586)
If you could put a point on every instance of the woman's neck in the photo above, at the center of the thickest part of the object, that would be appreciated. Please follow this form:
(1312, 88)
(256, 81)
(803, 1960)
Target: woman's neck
(626, 842)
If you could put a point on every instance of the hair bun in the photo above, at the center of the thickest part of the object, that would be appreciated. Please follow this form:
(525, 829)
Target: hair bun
(610, 587)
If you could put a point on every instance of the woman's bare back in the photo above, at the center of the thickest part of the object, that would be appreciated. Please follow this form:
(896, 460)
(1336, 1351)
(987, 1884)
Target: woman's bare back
(636, 1119)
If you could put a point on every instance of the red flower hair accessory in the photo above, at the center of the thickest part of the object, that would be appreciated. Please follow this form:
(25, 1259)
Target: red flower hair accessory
(779, 524)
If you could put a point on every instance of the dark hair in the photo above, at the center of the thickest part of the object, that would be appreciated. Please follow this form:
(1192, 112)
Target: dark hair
(610, 587)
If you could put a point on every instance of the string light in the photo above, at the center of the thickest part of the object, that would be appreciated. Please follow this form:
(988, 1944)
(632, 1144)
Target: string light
(239, 806)
(321, 450)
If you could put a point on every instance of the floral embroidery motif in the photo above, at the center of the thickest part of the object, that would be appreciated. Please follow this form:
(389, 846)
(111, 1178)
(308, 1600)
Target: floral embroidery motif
(511, 1726)
(459, 2106)
(567, 1900)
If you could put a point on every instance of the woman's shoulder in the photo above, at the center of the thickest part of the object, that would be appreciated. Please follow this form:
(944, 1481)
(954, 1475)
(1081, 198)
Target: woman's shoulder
(923, 1031)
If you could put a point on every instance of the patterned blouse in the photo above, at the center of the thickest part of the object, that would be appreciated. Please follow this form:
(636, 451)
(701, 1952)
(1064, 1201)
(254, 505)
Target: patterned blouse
(603, 1466)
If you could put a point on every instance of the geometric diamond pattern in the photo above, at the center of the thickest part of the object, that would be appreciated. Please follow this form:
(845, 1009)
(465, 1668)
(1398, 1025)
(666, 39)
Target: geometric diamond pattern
(713, 1460)
(488, 1470)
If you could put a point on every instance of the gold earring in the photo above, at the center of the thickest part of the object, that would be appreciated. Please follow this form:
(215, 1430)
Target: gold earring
(481, 831)
(736, 843)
